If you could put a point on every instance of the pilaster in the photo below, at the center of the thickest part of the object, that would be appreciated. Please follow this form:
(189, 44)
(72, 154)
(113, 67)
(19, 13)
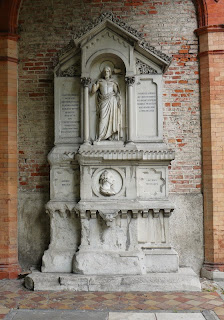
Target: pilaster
(211, 57)
(9, 267)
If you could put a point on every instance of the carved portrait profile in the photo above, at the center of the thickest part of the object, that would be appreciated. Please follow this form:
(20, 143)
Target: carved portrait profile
(106, 182)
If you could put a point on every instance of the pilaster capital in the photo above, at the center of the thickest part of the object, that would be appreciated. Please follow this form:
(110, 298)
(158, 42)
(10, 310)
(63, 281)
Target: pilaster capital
(209, 29)
(130, 80)
(85, 81)
(9, 36)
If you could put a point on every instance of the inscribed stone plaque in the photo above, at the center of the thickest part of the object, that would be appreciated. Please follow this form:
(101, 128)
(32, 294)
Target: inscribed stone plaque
(147, 110)
(151, 182)
(65, 184)
(68, 115)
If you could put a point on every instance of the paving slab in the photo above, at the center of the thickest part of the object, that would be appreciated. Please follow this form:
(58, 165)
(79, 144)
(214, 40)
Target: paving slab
(131, 316)
(100, 315)
(179, 316)
(56, 315)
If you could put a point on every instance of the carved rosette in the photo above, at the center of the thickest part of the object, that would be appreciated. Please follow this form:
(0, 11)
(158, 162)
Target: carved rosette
(130, 81)
(85, 81)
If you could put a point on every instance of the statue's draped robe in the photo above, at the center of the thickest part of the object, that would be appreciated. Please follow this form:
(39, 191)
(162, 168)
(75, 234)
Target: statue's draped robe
(109, 110)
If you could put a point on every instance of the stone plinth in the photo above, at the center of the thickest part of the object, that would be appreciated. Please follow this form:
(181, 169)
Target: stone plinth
(184, 280)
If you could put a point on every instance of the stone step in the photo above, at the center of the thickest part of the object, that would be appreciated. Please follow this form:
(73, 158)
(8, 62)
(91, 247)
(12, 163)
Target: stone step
(183, 280)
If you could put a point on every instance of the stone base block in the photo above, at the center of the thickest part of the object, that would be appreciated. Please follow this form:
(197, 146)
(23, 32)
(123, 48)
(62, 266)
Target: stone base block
(214, 275)
(183, 280)
(57, 260)
(96, 262)
(161, 260)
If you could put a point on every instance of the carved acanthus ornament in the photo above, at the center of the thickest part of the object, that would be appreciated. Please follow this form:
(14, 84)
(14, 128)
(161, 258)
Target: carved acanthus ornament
(143, 68)
(85, 81)
(139, 35)
(107, 16)
(130, 81)
(72, 71)
(66, 49)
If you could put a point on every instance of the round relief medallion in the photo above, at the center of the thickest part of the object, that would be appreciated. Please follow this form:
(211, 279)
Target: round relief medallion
(107, 182)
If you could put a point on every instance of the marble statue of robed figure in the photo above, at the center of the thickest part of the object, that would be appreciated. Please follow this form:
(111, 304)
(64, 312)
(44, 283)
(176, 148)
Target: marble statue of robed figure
(108, 107)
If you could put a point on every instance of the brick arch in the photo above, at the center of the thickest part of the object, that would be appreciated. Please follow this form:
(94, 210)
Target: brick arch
(9, 11)
(202, 13)
(209, 12)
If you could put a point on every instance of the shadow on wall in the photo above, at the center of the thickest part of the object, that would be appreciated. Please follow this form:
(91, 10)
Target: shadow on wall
(34, 229)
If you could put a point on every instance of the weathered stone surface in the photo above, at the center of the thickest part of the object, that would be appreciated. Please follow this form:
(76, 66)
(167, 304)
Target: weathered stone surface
(186, 229)
(215, 275)
(33, 228)
(161, 260)
(184, 280)
(107, 262)
(65, 237)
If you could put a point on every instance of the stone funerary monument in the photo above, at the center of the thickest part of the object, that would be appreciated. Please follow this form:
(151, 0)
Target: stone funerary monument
(109, 205)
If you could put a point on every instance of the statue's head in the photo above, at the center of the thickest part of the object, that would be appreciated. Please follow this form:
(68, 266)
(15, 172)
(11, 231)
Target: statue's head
(107, 72)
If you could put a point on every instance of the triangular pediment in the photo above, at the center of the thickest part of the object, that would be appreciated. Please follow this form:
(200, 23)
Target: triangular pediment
(111, 22)
(118, 30)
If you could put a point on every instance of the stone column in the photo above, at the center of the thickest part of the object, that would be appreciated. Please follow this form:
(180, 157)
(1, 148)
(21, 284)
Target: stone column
(9, 267)
(130, 82)
(211, 57)
(86, 82)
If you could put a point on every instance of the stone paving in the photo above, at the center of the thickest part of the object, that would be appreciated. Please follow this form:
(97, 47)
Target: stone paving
(99, 315)
(15, 298)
